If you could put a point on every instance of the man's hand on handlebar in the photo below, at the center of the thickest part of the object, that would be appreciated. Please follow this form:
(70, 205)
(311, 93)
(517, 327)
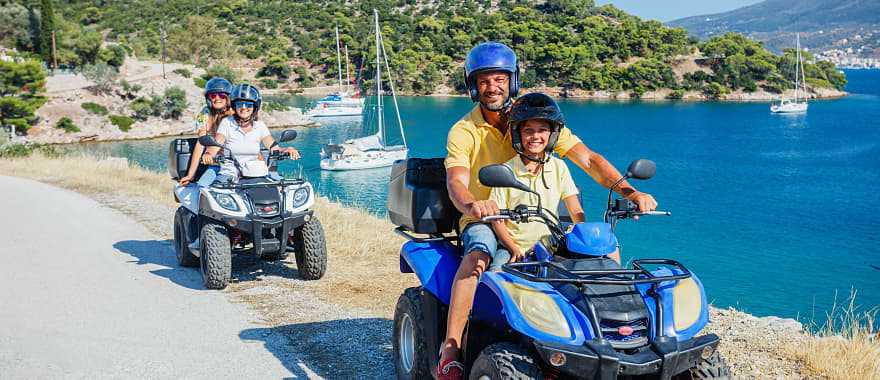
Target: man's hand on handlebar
(644, 201)
(480, 209)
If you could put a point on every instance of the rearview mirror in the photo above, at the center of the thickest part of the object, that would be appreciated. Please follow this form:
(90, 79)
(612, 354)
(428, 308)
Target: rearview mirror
(641, 169)
(501, 176)
(208, 140)
(287, 135)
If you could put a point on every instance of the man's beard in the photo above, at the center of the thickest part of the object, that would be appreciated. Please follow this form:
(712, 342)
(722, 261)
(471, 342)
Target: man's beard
(497, 106)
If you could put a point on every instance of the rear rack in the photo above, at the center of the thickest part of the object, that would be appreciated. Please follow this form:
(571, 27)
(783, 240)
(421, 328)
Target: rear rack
(553, 272)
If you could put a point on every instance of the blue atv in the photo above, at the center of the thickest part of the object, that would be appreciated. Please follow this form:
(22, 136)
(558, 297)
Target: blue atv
(566, 312)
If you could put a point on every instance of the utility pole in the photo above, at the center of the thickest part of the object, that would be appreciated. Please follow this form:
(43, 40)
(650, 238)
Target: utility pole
(54, 54)
(162, 37)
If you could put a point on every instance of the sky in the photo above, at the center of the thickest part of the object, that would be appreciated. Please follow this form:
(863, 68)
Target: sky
(668, 10)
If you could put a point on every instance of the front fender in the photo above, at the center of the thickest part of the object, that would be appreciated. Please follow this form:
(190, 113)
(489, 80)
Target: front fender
(493, 303)
(667, 293)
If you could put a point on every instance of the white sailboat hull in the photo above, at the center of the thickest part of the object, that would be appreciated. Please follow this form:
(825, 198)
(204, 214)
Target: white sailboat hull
(335, 111)
(789, 108)
(365, 160)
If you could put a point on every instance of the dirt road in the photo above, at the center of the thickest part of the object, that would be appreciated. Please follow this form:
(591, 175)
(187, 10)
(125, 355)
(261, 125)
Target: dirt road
(89, 293)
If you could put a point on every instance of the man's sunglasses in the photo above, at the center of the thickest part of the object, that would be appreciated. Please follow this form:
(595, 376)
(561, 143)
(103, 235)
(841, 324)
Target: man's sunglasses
(242, 104)
(216, 95)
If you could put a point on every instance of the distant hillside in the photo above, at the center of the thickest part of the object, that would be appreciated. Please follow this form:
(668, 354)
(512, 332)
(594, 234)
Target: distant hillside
(823, 24)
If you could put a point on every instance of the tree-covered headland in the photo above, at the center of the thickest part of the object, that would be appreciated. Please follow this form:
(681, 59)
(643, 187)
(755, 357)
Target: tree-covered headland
(570, 44)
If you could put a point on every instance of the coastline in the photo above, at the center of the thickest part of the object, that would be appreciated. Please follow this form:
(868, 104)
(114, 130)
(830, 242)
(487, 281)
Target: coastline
(364, 280)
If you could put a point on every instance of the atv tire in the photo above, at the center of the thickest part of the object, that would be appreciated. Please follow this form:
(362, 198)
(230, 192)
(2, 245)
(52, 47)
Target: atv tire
(505, 361)
(216, 257)
(409, 340)
(310, 250)
(185, 257)
(712, 368)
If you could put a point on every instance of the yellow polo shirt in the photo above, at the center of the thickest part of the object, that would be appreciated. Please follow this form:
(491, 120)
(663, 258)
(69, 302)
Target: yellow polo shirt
(473, 143)
(559, 186)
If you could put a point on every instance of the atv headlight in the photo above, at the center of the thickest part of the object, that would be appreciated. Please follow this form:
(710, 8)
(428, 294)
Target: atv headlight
(539, 309)
(300, 196)
(687, 303)
(226, 201)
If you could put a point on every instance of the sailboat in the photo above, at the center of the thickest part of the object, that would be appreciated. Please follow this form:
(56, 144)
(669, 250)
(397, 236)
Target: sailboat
(340, 103)
(369, 151)
(797, 104)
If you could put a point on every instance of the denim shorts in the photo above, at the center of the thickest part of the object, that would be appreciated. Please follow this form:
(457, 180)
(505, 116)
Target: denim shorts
(208, 176)
(480, 237)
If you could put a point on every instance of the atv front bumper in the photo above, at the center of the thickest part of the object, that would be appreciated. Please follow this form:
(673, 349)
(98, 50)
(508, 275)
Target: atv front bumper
(664, 358)
(282, 224)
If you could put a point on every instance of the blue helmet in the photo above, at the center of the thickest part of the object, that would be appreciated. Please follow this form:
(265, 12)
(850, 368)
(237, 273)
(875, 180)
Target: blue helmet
(215, 85)
(247, 92)
(491, 56)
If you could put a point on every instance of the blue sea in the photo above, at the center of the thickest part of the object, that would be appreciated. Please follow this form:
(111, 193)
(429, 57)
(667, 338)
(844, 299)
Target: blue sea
(777, 214)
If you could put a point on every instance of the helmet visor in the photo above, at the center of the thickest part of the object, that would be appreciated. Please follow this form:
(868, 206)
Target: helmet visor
(238, 104)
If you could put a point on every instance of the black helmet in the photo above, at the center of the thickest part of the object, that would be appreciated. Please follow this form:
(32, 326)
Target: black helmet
(535, 106)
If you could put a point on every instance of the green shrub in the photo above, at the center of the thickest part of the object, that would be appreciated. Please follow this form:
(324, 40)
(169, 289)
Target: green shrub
(220, 71)
(675, 94)
(183, 72)
(122, 122)
(67, 125)
(269, 83)
(174, 103)
(19, 150)
(16, 150)
(95, 108)
(200, 83)
(144, 107)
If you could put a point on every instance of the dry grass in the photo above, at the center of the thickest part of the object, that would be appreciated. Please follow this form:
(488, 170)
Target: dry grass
(846, 347)
(363, 250)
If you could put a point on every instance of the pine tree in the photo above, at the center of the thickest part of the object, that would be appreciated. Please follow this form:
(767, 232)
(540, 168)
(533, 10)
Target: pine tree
(47, 26)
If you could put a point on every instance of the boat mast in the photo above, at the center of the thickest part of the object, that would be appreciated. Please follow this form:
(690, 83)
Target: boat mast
(803, 69)
(797, 65)
(379, 79)
(338, 59)
(393, 93)
(347, 74)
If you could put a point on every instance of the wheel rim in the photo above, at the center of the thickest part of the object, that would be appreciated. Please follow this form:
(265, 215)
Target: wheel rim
(407, 343)
(484, 377)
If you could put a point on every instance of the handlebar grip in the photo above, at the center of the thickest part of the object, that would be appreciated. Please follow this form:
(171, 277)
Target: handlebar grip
(656, 212)
(491, 218)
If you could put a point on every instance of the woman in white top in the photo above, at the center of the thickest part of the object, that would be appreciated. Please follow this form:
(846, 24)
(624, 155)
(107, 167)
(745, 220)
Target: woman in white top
(243, 132)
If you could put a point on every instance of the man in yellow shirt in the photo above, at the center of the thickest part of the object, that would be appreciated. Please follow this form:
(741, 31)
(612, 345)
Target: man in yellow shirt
(481, 138)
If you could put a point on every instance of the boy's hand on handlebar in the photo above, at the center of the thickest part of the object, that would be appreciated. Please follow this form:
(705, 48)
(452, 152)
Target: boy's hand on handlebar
(644, 201)
(479, 209)
(516, 256)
